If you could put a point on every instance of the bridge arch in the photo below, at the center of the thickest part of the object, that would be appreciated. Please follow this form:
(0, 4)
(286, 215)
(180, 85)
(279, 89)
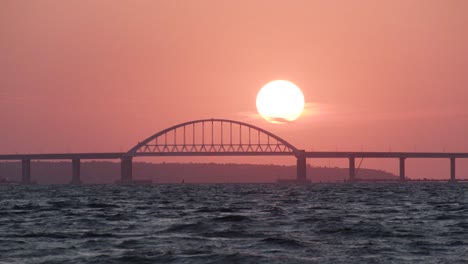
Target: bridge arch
(210, 137)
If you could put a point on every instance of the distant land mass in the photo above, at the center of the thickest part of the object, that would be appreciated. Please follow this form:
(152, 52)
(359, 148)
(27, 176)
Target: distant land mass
(104, 172)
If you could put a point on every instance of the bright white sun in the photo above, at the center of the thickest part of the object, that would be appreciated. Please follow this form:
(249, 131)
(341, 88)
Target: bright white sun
(280, 102)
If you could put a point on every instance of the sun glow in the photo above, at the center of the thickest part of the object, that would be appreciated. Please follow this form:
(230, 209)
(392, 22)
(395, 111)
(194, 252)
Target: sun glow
(280, 102)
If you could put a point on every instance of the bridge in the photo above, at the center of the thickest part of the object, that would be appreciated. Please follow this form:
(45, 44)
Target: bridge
(221, 137)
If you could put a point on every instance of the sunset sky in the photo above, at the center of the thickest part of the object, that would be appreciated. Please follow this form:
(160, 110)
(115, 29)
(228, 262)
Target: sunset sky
(99, 76)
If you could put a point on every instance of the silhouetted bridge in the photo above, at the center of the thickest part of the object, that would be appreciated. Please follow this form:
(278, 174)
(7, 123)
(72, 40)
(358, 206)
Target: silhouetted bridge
(220, 137)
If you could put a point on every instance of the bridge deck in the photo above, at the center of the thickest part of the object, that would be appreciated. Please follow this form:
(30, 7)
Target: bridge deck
(345, 154)
(59, 156)
(307, 154)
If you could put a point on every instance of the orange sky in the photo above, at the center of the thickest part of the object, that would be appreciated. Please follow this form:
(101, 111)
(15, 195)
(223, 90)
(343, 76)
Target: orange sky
(79, 76)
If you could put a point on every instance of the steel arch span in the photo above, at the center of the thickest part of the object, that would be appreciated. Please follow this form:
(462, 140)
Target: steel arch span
(213, 137)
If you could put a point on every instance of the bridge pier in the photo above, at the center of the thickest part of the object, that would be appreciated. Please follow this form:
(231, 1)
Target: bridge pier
(26, 171)
(301, 170)
(352, 170)
(452, 169)
(402, 169)
(76, 168)
(301, 165)
(126, 170)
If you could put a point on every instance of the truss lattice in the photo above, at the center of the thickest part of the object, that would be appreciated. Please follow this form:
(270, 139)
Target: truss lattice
(213, 136)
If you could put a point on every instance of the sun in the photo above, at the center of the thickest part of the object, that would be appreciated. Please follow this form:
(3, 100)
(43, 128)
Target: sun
(280, 102)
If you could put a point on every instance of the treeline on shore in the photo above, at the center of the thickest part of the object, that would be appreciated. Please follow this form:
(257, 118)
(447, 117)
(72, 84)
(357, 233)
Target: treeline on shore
(102, 172)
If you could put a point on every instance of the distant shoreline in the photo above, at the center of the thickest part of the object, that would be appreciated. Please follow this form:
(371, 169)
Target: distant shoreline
(102, 172)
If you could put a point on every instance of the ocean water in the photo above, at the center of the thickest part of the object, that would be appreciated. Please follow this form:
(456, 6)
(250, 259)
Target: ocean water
(235, 223)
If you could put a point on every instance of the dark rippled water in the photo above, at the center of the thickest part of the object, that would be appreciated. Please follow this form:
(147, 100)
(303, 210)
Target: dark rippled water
(336, 223)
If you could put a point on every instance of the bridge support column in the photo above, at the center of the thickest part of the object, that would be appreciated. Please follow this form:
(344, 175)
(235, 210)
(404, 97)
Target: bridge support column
(301, 170)
(402, 169)
(301, 164)
(452, 169)
(26, 171)
(126, 170)
(352, 170)
(76, 168)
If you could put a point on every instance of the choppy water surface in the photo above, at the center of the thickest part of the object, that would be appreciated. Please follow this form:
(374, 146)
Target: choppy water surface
(336, 223)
